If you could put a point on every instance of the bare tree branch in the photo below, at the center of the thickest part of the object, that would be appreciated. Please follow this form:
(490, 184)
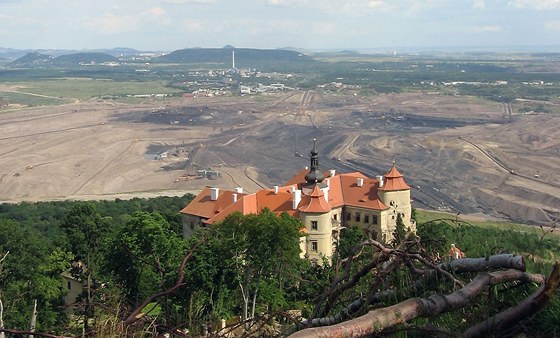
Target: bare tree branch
(380, 319)
(527, 307)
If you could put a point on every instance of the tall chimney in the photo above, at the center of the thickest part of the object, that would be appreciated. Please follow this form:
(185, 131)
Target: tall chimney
(233, 59)
(276, 188)
(238, 190)
(296, 198)
(333, 172)
(360, 182)
(214, 192)
(234, 198)
(380, 178)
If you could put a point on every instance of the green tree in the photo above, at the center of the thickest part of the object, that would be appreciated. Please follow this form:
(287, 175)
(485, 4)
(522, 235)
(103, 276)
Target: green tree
(243, 254)
(30, 270)
(145, 256)
(85, 228)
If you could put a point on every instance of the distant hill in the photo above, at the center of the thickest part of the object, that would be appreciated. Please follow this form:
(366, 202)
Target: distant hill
(83, 58)
(32, 59)
(118, 51)
(244, 57)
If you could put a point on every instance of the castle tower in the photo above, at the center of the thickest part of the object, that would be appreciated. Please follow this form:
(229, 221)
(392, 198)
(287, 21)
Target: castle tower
(395, 193)
(315, 214)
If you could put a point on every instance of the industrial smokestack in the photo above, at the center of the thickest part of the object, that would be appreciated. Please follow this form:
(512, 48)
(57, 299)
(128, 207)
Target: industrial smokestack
(233, 59)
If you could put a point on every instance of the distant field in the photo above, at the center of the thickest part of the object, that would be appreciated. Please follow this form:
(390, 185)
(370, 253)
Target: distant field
(424, 216)
(60, 91)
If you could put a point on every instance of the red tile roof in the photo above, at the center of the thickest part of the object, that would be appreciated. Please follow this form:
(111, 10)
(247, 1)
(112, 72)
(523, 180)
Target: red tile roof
(394, 181)
(315, 202)
(352, 189)
(203, 206)
(255, 203)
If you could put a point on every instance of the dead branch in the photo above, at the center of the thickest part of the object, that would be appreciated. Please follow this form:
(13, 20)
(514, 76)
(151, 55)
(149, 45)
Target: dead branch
(19, 333)
(527, 307)
(502, 261)
(463, 265)
(380, 319)
(345, 282)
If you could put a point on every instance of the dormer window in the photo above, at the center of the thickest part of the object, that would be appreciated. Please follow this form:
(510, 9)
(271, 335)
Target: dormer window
(314, 225)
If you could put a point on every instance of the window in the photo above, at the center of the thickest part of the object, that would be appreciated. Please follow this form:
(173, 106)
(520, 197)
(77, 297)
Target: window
(69, 286)
(192, 225)
(335, 216)
(374, 219)
(358, 217)
(314, 246)
(366, 218)
(314, 262)
(348, 216)
(314, 225)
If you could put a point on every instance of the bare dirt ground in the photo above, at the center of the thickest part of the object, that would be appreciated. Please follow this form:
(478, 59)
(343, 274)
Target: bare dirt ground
(459, 154)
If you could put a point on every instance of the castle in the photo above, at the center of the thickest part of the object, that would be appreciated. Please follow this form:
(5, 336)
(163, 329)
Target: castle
(326, 203)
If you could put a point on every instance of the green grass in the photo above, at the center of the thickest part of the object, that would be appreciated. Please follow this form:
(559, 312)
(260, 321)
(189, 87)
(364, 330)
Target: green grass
(32, 100)
(424, 216)
(65, 90)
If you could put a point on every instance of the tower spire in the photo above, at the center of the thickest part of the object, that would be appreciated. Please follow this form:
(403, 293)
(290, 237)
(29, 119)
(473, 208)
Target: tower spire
(314, 176)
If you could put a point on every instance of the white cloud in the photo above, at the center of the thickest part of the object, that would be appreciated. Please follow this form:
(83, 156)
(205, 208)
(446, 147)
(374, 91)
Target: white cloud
(285, 3)
(487, 29)
(191, 26)
(553, 26)
(379, 4)
(111, 24)
(479, 4)
(536, 4)
(155, 12)
(181, 2)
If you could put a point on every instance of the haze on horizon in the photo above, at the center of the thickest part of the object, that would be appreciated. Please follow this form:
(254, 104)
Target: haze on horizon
(310, 24)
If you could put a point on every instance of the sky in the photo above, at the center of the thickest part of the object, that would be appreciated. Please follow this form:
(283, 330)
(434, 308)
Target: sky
(166, 25)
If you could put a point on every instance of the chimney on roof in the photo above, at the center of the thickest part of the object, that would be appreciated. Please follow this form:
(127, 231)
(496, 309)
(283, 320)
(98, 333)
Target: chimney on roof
(214, 192)
(326, 193)
(360, 182)
(276, 188)
(380, 178)
(238, 190)
(234, 198)
(296, 198)
(333, 172)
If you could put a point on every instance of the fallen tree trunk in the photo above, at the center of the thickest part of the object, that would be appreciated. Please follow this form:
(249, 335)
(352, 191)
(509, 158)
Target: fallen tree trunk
(502, 261)
(527, 307)
(380, 319)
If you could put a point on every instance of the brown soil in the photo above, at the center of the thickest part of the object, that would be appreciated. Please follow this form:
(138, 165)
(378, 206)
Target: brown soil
(458, 153)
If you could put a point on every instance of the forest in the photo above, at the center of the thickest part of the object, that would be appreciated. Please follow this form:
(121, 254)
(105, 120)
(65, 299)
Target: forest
(244, 276)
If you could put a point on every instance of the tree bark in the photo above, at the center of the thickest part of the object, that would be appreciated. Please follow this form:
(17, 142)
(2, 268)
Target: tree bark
(33, 320)
(1, 319)
(380, 319)
(502, 261)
